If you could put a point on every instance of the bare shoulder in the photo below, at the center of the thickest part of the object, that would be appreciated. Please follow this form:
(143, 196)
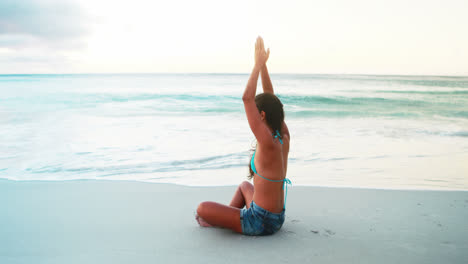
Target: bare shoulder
(286, 136)
(285, 131)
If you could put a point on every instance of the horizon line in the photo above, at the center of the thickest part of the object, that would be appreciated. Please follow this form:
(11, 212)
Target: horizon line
(231, 73)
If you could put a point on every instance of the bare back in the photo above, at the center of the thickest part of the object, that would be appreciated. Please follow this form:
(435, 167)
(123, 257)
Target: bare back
(271, 162)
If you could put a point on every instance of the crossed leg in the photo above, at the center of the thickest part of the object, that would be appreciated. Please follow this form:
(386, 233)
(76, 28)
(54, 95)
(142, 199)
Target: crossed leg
(243, 195)
(216, 214)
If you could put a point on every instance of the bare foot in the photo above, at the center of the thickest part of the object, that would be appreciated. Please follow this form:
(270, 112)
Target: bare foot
(202, 222)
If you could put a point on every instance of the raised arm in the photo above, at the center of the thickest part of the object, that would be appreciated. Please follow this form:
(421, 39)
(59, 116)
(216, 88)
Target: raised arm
(251, 88)
(266, 81)
(258, 127)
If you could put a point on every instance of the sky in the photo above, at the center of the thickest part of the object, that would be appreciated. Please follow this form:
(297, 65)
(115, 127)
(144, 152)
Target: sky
(408, 37)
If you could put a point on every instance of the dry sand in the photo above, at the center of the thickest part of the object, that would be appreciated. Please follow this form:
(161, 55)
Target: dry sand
(133, 222)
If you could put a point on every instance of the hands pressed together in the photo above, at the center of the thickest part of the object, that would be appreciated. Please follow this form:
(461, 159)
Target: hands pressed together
(261, 56)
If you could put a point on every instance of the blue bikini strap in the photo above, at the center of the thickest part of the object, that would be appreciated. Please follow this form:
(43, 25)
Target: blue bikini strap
(286, 181)
(278, 136)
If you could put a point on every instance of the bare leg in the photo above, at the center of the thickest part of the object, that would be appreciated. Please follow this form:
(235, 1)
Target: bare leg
(208, 213)
(243, 195)
(216, 214)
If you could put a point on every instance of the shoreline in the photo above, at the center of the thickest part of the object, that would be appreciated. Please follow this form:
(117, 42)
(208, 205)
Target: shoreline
(234, 185)
(102, 221)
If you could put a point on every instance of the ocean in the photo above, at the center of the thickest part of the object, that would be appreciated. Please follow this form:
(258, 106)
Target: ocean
(363, 131)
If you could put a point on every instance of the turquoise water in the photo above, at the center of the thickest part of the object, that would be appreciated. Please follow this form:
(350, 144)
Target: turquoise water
(346, 130)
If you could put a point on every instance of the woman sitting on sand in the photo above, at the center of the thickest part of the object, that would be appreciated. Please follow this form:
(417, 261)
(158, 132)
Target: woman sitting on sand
(265, 203)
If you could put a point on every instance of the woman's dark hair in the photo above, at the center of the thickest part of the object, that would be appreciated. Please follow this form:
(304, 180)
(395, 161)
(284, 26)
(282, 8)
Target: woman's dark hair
(274, 115)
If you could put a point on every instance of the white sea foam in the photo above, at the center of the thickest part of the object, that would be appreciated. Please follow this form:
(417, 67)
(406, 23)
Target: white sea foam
(346, 130)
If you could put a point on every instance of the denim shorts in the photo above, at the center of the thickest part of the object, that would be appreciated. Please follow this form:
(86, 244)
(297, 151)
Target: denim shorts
(257, 221)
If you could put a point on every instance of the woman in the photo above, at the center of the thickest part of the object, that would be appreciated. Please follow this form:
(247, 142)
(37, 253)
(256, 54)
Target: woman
(265, 203)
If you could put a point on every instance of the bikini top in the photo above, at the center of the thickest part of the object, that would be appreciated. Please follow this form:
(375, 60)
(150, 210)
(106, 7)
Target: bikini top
(285, 181)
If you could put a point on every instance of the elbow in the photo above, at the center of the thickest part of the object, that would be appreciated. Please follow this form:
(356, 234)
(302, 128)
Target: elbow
(247, 98)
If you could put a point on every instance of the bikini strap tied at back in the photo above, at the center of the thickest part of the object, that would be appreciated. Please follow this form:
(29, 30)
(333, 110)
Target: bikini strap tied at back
(278, 136)
(286, 181)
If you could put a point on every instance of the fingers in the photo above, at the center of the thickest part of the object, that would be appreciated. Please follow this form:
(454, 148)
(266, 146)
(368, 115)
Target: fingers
(259, 43)
(259, 39)
(256, 49)
(261, 55)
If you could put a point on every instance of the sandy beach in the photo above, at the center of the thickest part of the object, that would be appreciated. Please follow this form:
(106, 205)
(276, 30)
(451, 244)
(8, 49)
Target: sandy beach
(133, 222)
(118, 118)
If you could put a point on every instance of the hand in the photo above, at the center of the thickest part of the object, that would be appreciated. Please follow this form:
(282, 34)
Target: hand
(261, 56)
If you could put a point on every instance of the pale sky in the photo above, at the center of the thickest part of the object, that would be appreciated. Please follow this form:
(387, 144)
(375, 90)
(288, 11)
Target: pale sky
(334, 36)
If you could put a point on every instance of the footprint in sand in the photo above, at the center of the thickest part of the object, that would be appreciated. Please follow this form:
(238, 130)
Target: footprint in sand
(314, 231)
(328, 232)
(295, 221)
